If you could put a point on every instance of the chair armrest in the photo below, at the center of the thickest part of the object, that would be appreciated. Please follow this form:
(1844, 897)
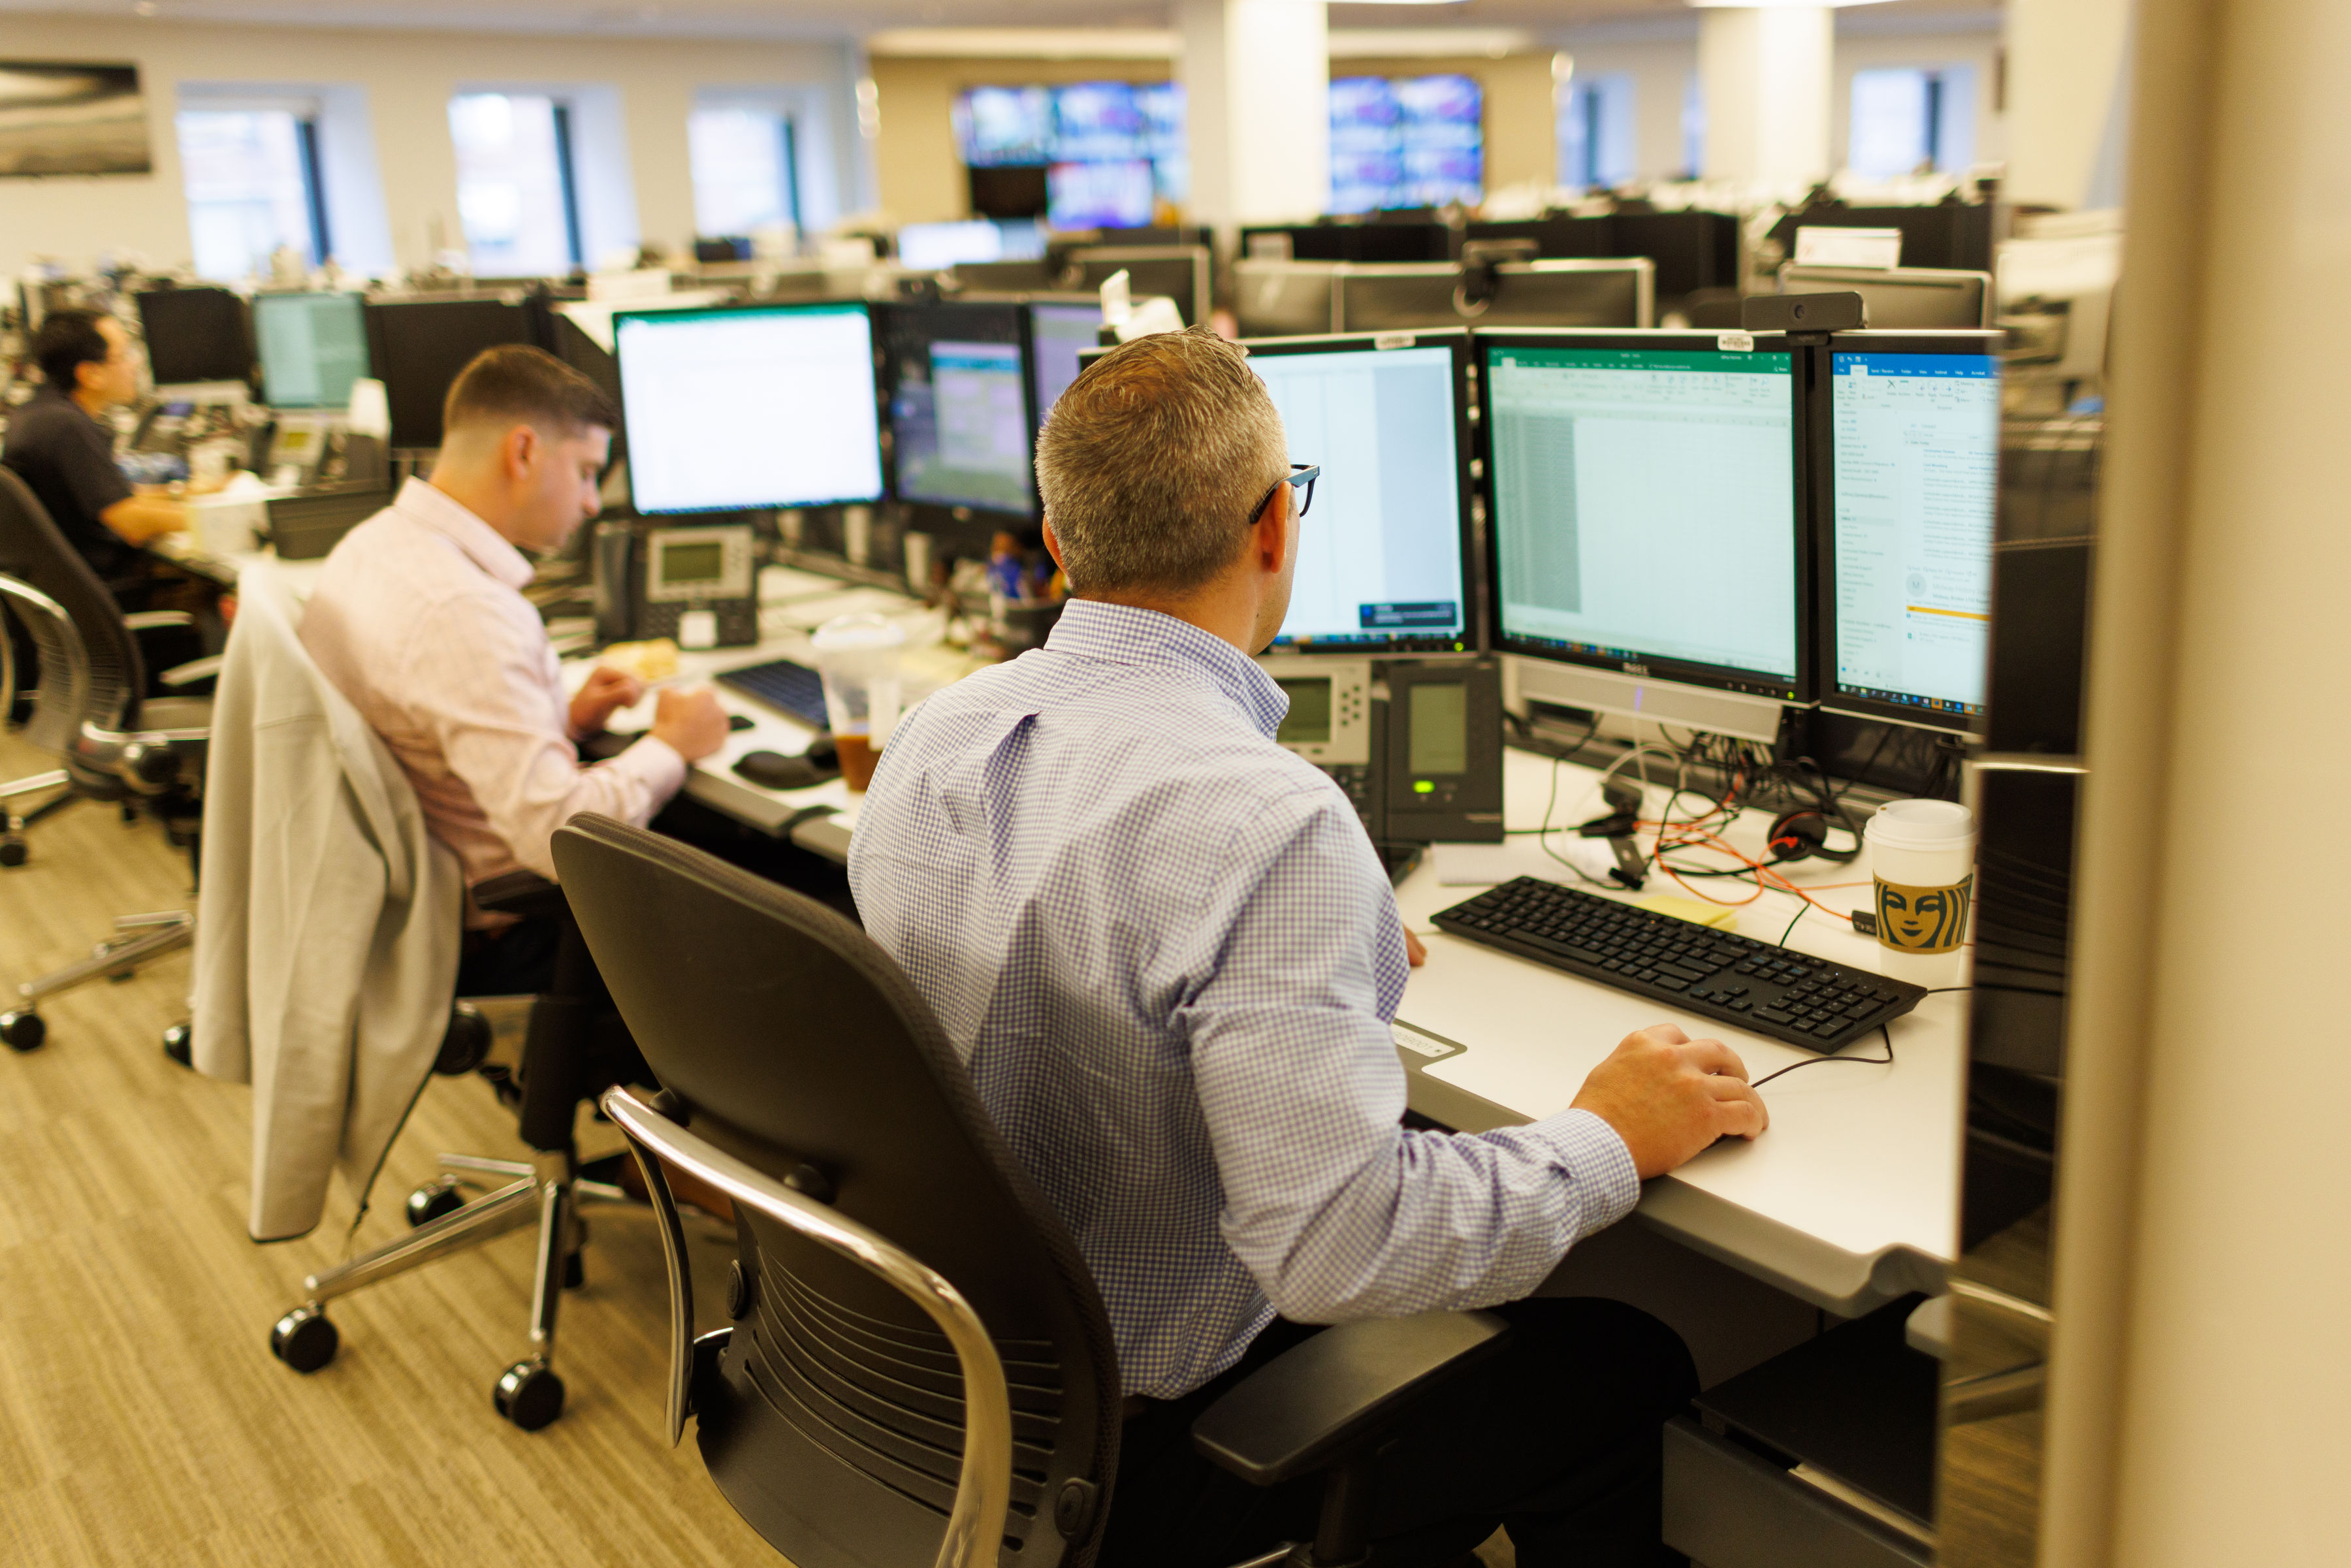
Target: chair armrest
(152, 620)
(194, 669)
(523, 893)
(1317, 1400)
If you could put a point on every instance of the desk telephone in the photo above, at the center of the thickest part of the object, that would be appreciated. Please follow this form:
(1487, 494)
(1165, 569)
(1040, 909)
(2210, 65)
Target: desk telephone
(696, 584)
(1416, 743)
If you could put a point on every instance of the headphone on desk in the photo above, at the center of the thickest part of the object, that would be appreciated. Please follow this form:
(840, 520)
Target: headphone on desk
(1803, 834)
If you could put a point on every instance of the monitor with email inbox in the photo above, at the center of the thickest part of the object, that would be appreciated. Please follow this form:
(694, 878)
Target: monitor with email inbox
(1909, 439)
(1646, 522)
(1384, 560)
(738, 409)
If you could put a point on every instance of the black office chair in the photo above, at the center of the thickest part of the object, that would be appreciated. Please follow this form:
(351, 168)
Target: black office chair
(919, 1369)
(576, 1046)
(114, 744)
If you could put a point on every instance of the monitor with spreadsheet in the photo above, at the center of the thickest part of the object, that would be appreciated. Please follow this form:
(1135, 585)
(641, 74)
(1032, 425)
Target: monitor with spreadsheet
(1383, 559)
(1910, 444)
(194, 336)
(1644, 514)
(734, 409)
(313, 347)
(959, 417)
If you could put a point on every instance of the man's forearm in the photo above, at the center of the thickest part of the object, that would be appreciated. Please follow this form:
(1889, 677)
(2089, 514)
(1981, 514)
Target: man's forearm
(138, 518)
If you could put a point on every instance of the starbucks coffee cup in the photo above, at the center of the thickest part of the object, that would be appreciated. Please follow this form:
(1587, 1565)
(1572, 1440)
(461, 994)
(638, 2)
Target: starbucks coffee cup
(1922, 861)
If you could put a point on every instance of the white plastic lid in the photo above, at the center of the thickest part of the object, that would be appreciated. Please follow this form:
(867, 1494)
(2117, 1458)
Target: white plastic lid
(1921, 824)
(854, 634)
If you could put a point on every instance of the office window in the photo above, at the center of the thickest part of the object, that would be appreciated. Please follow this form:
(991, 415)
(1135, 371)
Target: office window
(516, 196)
(252, 178)
(744, 165)
(1908, 119)
(1693, 128)
(1595, 132)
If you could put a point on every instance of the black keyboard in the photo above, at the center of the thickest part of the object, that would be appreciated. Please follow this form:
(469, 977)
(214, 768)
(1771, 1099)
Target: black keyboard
(795, 688)
(1757, 985)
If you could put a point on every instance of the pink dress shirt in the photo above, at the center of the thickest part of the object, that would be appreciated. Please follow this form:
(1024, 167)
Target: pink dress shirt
(419, 619)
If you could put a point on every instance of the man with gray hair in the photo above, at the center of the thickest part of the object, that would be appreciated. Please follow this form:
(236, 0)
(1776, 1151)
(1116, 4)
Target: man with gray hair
(1170, 958)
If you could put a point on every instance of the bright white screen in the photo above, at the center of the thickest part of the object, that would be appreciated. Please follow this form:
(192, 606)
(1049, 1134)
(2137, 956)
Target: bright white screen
(734, 409)
(1379, 557)
(1918, 459)
(1644, 504)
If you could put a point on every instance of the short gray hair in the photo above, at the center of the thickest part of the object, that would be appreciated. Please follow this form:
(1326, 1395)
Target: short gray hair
(1150, 462)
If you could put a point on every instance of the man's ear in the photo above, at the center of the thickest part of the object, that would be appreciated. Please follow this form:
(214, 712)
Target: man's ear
(1277, 530)
(520, 449)
(1053, 545)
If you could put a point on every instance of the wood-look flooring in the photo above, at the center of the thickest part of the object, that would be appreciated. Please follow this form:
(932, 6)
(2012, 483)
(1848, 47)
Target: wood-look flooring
(142, 1419)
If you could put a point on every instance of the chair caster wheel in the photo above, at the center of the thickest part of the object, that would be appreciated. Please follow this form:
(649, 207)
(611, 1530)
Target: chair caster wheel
(575, 1273)
(304, 1340)
(434, 1199)
(23, 1031)
(14, 851)
(466, 1044)
(180, 1044)
(529, 1395)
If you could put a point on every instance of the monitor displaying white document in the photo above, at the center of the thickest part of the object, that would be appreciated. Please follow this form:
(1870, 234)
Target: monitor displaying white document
(732, 410)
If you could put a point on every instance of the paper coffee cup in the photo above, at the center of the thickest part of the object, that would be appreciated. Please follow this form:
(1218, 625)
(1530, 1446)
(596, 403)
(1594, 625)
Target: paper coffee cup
(1922, 860)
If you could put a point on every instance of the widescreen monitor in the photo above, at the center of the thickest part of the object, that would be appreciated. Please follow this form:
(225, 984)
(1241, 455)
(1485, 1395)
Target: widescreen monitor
(1384, 556)
(1099, 123)
(1058, 331)
(194, 335)
(1901, 299)
(998, 126)
(313, 347)
(1179, 271)
(1285, 298)
(736, 409)
(1911, 443)
(1117, 195)
(1606, 293)
(418, 345)
(960, 427)
(1644, 507)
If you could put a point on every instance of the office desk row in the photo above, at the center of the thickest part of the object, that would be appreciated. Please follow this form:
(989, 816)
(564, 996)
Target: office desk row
(1850, 1200)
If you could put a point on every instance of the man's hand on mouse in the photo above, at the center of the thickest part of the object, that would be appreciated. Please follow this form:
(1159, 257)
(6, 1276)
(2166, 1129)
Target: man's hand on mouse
(690, 721)
(1669, 1096)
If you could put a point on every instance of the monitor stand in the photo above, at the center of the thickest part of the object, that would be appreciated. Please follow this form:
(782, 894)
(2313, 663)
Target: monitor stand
(1638, 696)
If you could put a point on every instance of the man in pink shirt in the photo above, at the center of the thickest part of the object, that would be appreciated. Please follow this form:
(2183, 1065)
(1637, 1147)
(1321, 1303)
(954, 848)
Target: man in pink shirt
(420, 620)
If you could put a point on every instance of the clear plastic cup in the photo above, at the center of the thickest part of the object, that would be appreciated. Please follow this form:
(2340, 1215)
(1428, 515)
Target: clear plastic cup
(857, 658)
(1922, 862)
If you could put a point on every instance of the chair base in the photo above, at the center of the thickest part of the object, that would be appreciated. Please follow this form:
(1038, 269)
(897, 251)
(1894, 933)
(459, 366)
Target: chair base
(546, 1192)
(138, 939)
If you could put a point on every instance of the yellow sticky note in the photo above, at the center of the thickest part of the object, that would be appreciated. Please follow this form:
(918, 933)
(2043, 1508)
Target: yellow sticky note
(1695, 910)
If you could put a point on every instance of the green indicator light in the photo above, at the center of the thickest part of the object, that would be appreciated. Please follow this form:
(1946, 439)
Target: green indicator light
(1424, 787)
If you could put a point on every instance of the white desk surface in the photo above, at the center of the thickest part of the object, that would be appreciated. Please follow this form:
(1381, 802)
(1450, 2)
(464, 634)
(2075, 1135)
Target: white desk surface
(1850, 1199)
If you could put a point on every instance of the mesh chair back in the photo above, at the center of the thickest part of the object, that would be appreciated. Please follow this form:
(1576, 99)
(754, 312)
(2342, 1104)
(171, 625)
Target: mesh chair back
(833, 1418)
(33, 551)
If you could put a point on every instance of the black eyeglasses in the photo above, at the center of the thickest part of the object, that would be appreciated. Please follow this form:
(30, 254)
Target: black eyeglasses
(1301, 473)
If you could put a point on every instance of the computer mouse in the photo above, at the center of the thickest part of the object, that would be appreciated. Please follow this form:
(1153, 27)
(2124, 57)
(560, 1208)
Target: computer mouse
(774, 771)
(737, 721)
(824, 754)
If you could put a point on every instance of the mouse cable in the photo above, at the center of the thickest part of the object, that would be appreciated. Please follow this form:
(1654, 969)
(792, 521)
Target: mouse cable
(1886, 1061)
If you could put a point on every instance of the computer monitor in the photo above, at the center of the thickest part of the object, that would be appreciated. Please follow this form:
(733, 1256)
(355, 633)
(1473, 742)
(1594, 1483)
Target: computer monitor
(1384, 559)
(1177, 271)
(1908, 434)
(418, 345)
(1115, 194)
(934, 247)
(1285, 298)
(194, 335)
(1058, 331)
(1644, 522)
(1589, 293)
(1901, 299)
(737, 408)
(959, 389)
(313, 347)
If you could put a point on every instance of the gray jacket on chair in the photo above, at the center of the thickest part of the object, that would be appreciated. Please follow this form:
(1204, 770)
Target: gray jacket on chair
(327, 926)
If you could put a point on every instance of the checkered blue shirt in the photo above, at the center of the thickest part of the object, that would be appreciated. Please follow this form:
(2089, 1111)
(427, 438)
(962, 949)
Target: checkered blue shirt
(1169, 957)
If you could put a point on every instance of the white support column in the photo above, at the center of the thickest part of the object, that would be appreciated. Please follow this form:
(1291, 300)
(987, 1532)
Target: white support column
(1257, 88)
(1765, 73)
(2067, 97)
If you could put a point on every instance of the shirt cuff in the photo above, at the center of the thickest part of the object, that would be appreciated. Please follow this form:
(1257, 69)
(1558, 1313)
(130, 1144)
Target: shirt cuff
(1599, 1163)
(656, 764)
